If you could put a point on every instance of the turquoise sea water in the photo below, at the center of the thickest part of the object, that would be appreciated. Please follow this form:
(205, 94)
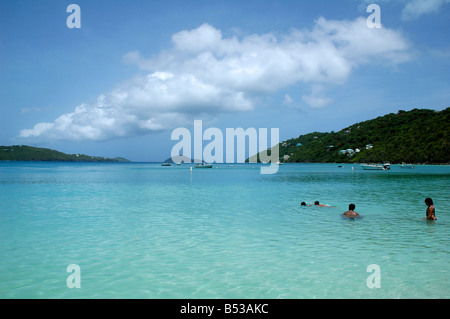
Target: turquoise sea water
(140, 230)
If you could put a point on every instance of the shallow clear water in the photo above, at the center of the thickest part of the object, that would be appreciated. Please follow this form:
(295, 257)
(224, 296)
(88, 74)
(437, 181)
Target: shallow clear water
(140, 230)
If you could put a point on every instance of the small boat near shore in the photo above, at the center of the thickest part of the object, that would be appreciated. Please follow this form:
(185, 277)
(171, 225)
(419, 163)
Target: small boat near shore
(376, 167)
(204, 165)
(408, 166)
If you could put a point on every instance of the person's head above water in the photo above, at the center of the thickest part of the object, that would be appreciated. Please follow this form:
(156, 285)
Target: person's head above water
(316, 202)
(303, 204)
(351, 212)
(428, 201)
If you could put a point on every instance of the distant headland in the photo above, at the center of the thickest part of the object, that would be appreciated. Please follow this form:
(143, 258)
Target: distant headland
(416, 136)
(30, 153)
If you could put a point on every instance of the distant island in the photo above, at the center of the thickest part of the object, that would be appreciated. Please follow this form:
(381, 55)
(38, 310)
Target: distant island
(416, 136)
(30, 153)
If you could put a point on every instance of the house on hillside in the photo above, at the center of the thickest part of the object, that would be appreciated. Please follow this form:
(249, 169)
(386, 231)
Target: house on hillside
(350, 152)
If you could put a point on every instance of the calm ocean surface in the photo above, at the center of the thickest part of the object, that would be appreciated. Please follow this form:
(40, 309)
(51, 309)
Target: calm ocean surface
(140, 230)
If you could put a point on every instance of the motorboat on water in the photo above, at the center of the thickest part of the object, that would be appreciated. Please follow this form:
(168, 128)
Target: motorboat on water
(376, 167)
(409, 166)
(204, 165)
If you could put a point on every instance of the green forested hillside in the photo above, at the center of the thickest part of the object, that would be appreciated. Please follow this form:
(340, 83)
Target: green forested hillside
(417, 136)
(29, 153)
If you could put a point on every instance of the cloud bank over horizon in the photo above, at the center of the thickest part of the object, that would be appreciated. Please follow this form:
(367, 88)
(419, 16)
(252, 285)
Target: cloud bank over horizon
(205, 74)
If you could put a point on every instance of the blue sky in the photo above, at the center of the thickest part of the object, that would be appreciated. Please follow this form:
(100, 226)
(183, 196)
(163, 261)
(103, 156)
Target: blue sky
(136, 70)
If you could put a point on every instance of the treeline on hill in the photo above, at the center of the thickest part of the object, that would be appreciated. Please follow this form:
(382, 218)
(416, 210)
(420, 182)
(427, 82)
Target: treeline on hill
(30, 153)
(417, 136)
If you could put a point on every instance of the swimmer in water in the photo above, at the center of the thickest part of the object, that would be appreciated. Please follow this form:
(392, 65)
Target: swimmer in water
(430, 212)
(351, 212)
(316, 203)
(304, 204)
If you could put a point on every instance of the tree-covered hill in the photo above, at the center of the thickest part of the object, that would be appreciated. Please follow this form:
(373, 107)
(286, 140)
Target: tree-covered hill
(417, 136)
(30, 153)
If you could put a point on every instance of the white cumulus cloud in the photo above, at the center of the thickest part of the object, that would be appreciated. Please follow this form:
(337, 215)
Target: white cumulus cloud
(317, 99)
(205, 73)
(417, 8)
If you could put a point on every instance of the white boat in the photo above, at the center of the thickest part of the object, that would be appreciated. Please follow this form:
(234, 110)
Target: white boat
(410, 166)
(376, 167)
(203, 165)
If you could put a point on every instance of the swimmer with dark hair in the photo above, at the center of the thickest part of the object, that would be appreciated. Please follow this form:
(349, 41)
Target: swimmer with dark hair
(316, 203)
(430, 212)
(351, 212)
(304, 204)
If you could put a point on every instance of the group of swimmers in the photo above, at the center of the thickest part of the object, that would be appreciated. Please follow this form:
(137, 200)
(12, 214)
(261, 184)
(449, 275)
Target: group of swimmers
(349, 214)
(316, 203)
(430, 212)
